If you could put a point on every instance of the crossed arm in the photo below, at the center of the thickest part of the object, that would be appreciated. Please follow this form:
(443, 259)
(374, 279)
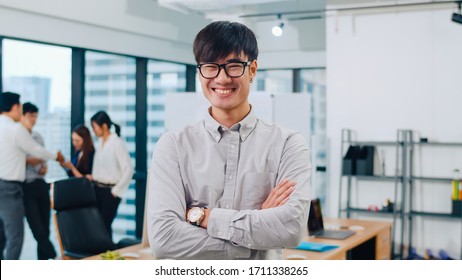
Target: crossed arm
(277, 197)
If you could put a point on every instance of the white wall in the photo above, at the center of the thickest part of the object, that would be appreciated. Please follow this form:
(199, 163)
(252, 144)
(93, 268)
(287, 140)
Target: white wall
(393, 70)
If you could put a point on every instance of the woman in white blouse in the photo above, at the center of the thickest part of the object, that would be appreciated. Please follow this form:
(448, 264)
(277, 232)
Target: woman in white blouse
(112, 167)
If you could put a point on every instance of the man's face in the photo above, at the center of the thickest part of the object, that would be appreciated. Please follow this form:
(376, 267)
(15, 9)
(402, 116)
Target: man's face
(29, 120)
(229, 94)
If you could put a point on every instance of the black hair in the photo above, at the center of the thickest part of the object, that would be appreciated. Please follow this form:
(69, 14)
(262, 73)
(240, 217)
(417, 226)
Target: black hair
(29, 108)
(8, 100)
(222, 38)
(103, 118)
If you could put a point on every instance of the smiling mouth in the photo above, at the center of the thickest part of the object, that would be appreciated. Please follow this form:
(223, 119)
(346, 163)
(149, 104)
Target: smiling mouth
(224, 91)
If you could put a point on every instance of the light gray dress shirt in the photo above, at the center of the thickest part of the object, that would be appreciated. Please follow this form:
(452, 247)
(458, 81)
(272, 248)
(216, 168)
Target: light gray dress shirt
(15, 143)
(232, 172)
(32, 172)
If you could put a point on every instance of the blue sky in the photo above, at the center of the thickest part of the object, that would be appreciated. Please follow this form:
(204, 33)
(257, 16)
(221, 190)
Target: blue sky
(31, 59)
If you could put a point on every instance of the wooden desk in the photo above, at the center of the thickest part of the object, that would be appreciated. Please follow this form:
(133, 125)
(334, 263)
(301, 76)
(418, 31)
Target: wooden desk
(135, 252)
(374, 242)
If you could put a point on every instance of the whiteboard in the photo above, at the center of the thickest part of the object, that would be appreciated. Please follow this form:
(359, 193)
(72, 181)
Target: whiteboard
(290, 110)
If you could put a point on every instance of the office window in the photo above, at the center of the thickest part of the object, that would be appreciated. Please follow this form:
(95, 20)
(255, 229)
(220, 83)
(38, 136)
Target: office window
(163, 77)
(41, 74)
(109, 86)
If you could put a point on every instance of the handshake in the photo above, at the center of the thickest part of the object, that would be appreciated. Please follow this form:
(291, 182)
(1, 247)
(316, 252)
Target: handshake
(60, 157)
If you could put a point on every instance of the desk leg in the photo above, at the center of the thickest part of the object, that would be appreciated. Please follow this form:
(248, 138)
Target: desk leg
(383, 245)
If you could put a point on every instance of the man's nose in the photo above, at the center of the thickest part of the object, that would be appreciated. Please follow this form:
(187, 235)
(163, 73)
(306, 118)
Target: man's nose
(222, 76)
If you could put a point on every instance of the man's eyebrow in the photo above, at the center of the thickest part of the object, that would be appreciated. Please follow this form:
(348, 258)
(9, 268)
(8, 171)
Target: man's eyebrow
(234, 60)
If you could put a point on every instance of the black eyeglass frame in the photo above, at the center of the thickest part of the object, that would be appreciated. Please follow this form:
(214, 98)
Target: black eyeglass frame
(223, 66)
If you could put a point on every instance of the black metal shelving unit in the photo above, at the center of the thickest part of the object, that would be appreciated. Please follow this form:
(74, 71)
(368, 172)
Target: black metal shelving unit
(404, 184)
(428, 214)
(398, 179)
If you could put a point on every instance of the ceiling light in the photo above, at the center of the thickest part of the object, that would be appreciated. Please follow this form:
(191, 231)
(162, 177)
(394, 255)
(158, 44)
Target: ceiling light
(277, 30)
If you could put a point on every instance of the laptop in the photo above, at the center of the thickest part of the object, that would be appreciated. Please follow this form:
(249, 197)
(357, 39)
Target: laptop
(316, 224)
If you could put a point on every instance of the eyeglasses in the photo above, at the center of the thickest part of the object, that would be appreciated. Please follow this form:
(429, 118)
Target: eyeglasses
(233, 69)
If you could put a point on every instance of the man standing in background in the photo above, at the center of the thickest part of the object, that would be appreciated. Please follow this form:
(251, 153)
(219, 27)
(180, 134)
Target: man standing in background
(15, 143)
(36, 190)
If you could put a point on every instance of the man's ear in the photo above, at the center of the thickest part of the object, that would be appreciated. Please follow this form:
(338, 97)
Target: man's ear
(253, 67)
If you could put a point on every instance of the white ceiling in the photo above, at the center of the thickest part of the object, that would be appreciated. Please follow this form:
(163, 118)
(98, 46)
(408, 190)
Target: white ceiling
(214, 9)
(254, 10)
(222, 9)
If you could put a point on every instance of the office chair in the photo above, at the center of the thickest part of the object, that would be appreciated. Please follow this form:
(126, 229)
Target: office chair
(80, 226)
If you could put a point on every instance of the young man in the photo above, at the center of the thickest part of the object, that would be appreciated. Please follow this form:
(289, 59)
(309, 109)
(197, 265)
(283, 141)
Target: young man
(231, 186)
(36, 190)
(15, 143)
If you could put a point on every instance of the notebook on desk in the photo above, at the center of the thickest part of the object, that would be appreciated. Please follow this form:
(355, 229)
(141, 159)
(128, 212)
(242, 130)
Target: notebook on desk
(316, 224)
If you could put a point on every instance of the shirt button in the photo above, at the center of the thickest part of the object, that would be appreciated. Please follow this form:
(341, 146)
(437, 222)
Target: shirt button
(227, 206)
(244, 136)
(217, 138)
(232, 147)
(230, 177)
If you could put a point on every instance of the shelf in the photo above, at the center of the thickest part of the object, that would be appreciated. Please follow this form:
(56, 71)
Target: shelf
(433, 214)
(435, 179)
(448, 144)
(373, 143)
(364, 210)
(374, 178)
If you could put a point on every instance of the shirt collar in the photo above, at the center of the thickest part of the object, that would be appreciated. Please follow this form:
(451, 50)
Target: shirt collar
(108, 140)
(7, 118)
(245, 127)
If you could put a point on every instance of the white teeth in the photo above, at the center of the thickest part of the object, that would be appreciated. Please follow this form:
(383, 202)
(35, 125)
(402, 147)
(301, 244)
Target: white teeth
(223, 91)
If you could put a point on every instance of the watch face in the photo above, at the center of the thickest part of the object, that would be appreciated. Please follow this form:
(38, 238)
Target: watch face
(194, 214)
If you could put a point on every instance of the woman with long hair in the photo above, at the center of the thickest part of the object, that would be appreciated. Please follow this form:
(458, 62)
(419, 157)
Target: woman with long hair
(112, 168)
(81, 163)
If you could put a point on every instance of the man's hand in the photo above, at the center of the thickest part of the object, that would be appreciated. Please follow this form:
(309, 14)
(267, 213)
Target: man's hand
(89, 177)
(43, 170)
(279, 195)
(205, 220)
(60, 157)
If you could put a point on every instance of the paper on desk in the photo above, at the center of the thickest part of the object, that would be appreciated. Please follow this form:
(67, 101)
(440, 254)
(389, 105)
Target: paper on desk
(313, 246)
